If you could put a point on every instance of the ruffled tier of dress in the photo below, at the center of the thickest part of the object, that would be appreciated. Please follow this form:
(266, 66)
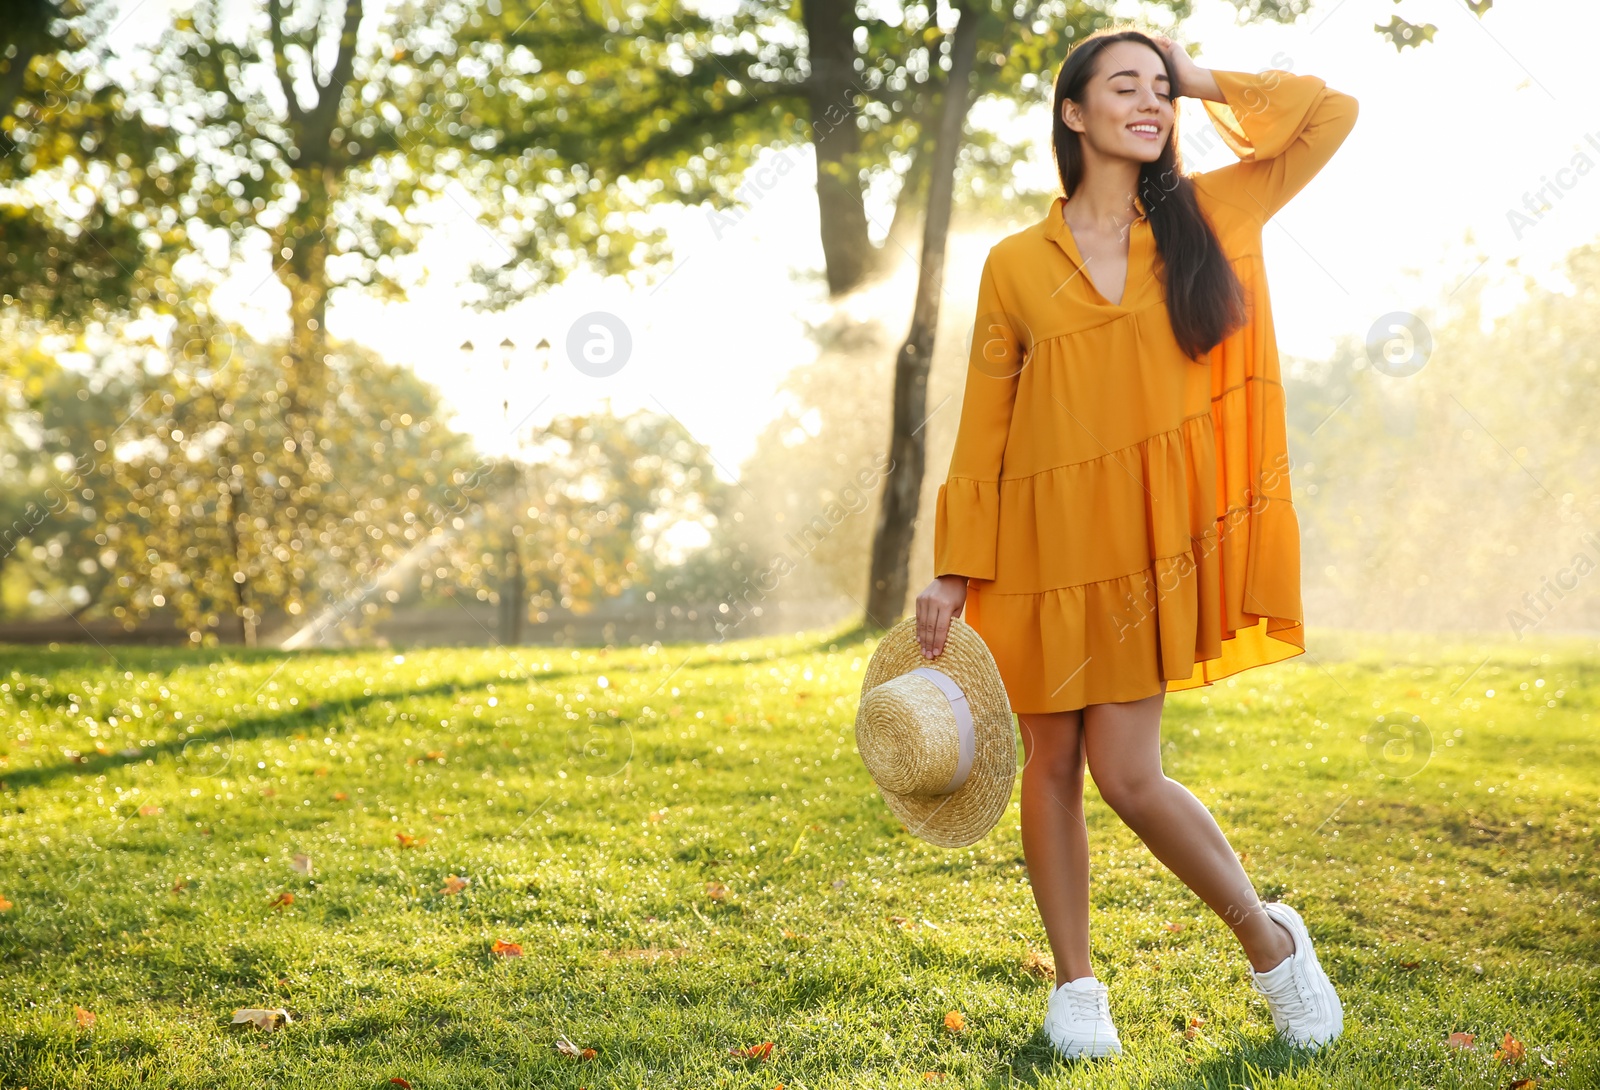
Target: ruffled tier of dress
(1136, 586)
(1153, 584)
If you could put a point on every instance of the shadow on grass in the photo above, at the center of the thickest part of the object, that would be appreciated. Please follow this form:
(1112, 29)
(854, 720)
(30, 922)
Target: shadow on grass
(1230, 1065)
(243, 730)
(240, 731)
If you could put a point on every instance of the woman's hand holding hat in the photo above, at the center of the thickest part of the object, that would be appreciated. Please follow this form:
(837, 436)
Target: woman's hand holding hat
(937, 735)
(943, 599)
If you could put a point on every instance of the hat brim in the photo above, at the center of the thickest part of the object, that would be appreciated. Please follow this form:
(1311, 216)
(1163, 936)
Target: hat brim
(965, 815)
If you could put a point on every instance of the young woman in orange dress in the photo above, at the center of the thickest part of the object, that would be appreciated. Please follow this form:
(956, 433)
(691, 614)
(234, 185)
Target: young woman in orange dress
(1117, 520)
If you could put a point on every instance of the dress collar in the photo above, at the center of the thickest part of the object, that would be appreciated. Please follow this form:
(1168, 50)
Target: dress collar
(1055, 226)
(1139, 244)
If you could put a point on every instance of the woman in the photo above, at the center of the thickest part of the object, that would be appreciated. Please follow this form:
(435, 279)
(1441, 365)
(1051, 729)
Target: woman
(1118, 504)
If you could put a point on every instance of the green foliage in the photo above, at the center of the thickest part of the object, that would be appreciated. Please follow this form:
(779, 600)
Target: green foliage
(584, 111)
(591, 506)
(76, 183)
(317, 129)
(180, 488)
(1445, 498)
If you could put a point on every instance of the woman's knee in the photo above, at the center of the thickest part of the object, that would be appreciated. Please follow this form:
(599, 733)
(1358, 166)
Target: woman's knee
(1127, 790)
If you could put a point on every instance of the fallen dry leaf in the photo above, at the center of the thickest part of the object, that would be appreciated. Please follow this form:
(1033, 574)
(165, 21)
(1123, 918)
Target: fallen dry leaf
(454, 884)
(1170, 926)
(5, 905)
(177, 885)
(1039, 965)
(339, 796)
(504, 949)
(1524, 1084)
(149, 810)
(402, 1083)
(283, 899)
(716, 890)
(268, 792)
(1461, 1040)
(567, 1048)
(436, 755)
(85, 1018)
(1510, 1050)
(262, 1018)
(320, 772)
(932, 1076)
(301, 863)
(955, 1021)
(762, 1051)
(408, 841)
(656, 815)
(1193, 1029)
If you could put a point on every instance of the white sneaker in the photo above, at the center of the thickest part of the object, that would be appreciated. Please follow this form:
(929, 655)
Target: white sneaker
(1305, 1008)
(1078, 1020)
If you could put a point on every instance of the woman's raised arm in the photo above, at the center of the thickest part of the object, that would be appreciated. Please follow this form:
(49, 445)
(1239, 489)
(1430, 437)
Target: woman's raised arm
(1283, 127)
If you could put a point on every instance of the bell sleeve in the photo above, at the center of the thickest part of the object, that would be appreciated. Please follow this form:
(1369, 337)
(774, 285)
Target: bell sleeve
(967, 516)
(1283, 127)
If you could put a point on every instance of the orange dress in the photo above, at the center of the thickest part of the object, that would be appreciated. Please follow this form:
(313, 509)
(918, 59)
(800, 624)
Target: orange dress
(1122, 512)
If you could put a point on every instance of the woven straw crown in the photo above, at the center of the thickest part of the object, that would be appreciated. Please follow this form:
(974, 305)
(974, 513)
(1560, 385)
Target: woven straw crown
(936, 734)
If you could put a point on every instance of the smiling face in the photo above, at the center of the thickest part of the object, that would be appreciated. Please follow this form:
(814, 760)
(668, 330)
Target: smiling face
(1127, 112)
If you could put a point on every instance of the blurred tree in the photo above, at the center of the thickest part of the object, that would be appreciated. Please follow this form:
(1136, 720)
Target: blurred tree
(317, 129)
(592, 506)
(167, 481)
(595, 109)
(75, 178)
(1461, 495)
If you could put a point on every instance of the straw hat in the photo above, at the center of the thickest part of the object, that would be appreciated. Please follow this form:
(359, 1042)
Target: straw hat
(936, 734)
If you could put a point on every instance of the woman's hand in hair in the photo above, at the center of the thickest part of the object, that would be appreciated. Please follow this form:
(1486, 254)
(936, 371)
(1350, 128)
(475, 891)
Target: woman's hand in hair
(943, 599)
(1193, 81)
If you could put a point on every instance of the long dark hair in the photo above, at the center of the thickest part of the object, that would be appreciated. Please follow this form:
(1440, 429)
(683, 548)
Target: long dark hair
(1205, 300)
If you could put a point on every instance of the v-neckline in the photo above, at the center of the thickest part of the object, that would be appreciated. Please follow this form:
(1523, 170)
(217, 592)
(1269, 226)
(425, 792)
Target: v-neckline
(1137, 235)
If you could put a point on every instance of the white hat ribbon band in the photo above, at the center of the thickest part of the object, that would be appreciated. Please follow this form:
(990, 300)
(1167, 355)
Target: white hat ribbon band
(963, 714)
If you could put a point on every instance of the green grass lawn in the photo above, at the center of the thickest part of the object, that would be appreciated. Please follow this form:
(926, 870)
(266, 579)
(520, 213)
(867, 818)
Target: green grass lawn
(687, 849)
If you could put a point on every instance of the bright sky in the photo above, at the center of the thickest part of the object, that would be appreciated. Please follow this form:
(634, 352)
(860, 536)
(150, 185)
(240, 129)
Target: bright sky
(1452, 140)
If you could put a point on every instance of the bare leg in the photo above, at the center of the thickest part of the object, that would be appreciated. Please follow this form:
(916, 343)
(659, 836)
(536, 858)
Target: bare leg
(1055, 841)
(1123, 744)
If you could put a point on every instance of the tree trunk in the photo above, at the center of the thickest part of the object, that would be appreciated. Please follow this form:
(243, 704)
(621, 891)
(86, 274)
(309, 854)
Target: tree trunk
(891, 548)
(909, 206)
(831, 91)
(319, 165)
(305, 274)
(513, 576)
(237, 510)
